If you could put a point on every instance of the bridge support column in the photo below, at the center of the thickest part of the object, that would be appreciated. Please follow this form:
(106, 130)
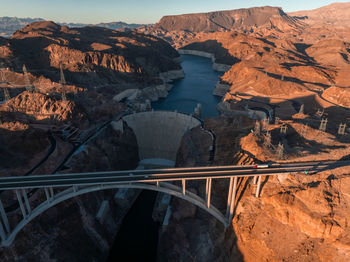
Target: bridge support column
(49, 194)
(24, 193)
(254, 180)
(208, 191)
(258, 187)
(231, 198)
(4, 218)
(21, 205)
(2, 233)
(183, 186)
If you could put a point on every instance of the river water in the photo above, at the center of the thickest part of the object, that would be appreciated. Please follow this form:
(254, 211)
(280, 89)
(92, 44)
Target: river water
(197, 87)
(137, 239)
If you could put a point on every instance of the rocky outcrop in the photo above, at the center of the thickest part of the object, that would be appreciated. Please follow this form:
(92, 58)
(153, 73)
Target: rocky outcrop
(296, 217)
(300, 219)
(240, 19)
(91, 56)
(40, 106)
(337, 95)
(335, 14)
(221, 89)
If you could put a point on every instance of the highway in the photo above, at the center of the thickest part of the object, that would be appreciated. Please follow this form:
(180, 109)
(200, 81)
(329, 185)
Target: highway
(159, 175)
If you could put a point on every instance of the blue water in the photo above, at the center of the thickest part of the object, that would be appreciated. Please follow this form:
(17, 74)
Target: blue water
(197, 87)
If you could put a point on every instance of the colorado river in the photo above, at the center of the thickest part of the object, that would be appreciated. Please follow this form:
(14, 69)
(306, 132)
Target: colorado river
(197, 87)
(137, 239)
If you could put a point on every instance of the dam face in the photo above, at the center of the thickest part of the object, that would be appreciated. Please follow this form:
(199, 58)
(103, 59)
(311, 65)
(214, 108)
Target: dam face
(158, 133)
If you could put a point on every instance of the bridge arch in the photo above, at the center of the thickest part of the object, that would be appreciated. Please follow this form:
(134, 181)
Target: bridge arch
(71, 192)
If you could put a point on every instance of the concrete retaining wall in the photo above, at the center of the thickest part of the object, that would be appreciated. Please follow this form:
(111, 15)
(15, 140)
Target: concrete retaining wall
(159, 133)
(216, 66)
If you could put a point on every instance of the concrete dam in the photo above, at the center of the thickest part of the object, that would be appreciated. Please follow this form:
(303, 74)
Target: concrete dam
(158, 134)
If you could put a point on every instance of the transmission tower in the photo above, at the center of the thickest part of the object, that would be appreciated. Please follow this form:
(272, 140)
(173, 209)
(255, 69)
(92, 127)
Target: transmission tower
(277, 120)
(6, 94)
(257, 128)
(341, 129)
(323, 125)
(62, 83)
(266, 122)
(29, 87)
(319, 113)
(279, 151)
(283, 130)
(267, 139)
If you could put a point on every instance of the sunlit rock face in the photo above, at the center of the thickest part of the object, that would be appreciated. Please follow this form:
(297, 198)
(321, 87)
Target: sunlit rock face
(90, 56)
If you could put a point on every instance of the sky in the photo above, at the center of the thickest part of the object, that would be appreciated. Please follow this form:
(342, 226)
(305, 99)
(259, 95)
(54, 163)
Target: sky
(135, 11)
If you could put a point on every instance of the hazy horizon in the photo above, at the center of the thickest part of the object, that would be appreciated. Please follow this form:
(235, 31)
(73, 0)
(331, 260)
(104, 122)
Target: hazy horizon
(134, 11)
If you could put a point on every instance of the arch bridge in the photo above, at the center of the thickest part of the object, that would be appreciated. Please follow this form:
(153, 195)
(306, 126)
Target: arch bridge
(60, 187)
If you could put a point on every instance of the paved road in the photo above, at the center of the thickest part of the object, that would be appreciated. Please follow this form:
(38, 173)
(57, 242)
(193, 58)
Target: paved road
(115, 177)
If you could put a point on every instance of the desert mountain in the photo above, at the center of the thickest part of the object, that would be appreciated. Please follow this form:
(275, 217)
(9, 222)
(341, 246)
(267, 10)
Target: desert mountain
(8, 25)
(240, 19)
(179, 30)
(91, 56)
(336, 14)
(97, 63)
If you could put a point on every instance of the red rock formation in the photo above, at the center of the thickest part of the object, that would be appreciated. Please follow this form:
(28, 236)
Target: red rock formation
(240, 19)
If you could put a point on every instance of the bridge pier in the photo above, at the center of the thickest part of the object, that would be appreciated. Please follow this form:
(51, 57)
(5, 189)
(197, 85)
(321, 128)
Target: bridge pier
(2, 233)
(4, 223)
(4, 218)
(231, 198)
(183, 186)
(49, 194)
(258, 187)
(19, 195)
(208, 191)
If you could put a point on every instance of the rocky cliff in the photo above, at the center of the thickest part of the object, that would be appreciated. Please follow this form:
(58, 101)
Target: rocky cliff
(295, 218)
(335, 14)
(240, 19)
